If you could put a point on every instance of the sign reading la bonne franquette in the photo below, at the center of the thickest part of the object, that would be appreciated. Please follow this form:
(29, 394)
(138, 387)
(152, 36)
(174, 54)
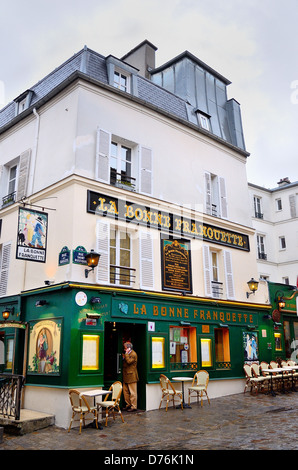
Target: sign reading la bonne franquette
(173, 224)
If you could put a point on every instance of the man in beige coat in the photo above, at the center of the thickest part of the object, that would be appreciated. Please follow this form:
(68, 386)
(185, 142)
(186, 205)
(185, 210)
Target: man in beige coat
(130, 377)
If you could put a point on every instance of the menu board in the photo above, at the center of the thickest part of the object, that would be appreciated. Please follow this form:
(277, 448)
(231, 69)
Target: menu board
(90, 354)
(176, 265)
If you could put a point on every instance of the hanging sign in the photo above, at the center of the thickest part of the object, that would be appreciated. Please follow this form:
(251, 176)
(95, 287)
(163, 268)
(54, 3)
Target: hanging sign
(32, 235)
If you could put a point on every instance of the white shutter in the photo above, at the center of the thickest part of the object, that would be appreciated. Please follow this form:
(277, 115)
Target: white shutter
(23, 177)
(292, 200)
(146, 170)
(4, 267)
(103, 247)
(229, 275)
(208, 201)
(146, 260)
(102, 164)
(223, 198)
(207, 271)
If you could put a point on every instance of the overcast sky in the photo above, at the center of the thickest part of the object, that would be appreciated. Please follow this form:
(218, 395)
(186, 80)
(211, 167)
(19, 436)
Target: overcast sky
(253, 43)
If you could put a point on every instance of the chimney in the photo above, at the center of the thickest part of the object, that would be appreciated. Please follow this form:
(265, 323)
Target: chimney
(284, 181)
(142, 57)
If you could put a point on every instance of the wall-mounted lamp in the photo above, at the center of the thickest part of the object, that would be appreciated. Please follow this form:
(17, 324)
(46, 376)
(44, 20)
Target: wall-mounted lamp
(40, 303)
(92, 259)
(253, 287)
(95, 300)
(6, 312)
(114, 326)
(281, 303)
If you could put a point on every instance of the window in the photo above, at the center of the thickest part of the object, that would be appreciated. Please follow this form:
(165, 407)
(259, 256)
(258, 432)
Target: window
(14, 179)
(282, 243)
(5, 251)
(278, 204)
(222, 346)
(218, 265)
(258, 207)
(121, 81)
(215, 196)
(115, 246)
(204, 121)
(206, 352)
(261, 247)
(123, 163)
(183, 347)
(120, 258)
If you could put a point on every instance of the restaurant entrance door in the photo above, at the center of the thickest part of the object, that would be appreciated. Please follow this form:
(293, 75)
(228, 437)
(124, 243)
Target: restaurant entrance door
(116, 334)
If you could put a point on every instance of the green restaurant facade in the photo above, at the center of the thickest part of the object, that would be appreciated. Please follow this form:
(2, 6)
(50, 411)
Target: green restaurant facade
(72, 335)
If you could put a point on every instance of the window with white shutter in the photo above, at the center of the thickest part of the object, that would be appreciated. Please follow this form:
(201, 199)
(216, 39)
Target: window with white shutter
(146, 260)
(293, 208)
(103, 248)
(122, 163)
(215, 195)
(5, 251)
(207, 271)
(230, 293)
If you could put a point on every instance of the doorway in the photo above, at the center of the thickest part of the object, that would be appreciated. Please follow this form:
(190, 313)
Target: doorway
(291, 339)
(116, 334)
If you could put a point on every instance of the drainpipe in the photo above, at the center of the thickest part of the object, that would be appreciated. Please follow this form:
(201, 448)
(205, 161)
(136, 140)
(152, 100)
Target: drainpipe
(34, 153)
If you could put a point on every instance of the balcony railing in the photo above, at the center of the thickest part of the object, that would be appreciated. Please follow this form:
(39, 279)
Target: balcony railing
(262, 255)
(9, 199)
(10, 395)
(122, 180)
(217, 289)
(259, 215)
(122, 275)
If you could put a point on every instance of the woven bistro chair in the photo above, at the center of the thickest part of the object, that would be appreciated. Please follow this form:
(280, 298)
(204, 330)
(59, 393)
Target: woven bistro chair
(113, 405)
(81, 407)
(253, 382)
(169, 392)
(257, 373)
(199, 385)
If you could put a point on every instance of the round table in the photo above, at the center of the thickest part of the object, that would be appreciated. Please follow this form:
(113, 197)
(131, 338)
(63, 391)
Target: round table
(183, 379)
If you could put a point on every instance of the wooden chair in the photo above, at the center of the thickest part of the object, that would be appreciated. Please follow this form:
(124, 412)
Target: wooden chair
(199, 385)
(112, 405)
(169, 391)
(80, 406)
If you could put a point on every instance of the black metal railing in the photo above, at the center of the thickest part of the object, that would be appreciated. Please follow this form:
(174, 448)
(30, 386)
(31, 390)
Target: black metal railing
(262, 255)
(184, 366)
(122, 275)
(10, 395)
(9, 199)
(217, 289)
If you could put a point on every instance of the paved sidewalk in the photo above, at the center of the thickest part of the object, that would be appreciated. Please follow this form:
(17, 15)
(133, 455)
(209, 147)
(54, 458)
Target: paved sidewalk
(235, 422)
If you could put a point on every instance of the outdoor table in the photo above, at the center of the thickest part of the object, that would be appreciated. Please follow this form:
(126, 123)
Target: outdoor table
(271, 372)
(292, 369)
(95, 393)
(183, 379)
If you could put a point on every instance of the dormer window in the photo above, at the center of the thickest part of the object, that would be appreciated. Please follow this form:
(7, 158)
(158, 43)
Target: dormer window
(23, 101)
(203, 119)
(121, 81)
(122, 75)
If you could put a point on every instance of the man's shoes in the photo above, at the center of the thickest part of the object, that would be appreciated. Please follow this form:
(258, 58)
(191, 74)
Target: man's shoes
(131, 410)
(126, 408)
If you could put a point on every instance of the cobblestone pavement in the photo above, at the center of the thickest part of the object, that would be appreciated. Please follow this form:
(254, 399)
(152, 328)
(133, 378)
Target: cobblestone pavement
(235, 422)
